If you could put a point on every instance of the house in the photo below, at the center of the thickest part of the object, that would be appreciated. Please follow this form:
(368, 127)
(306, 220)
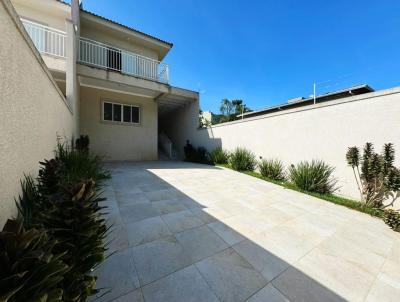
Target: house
(114, 80)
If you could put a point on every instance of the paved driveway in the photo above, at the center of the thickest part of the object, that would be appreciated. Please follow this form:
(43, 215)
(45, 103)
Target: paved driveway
(186, 232)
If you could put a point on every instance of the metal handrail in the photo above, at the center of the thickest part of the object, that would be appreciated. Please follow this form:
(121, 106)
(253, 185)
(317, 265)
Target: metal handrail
(52, 41)
(46, 39)
(109, 57)
(166, 144)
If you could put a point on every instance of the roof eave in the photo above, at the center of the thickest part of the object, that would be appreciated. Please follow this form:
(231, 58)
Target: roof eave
(134, 31)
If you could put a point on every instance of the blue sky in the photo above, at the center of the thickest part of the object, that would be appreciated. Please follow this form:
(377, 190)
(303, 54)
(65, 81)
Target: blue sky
(266, 52)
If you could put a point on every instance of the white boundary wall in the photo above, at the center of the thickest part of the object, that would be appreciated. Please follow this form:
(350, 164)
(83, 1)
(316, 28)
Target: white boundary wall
(33, 110)
(322, 131)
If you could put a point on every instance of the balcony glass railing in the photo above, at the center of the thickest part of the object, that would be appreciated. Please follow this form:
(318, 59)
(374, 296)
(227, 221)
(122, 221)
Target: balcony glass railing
(108, 57)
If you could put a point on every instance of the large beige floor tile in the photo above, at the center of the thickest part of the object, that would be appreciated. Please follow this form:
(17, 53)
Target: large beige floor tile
(146, 230)
(159, 258)
(137, 212)
(229, 235)
(117, 275)
(297, 286)
(268, 294)
(264, 261)
(185, 285)
(343, 277)
(134, 296)
(201, 242)
(181, 221)
(230, 276)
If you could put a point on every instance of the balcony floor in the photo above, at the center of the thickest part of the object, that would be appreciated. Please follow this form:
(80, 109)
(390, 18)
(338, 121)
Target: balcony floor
(187, 232)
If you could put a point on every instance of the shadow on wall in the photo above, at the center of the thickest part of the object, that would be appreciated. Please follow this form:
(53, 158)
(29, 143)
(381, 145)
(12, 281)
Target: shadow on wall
(204, 137)
(191, 251)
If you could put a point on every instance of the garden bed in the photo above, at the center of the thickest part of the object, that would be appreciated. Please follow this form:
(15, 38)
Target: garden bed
(349, 203)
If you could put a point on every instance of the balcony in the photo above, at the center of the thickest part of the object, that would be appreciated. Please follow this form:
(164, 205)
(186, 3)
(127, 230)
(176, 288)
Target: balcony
(52, 42)
(49, 41)
(108, 57)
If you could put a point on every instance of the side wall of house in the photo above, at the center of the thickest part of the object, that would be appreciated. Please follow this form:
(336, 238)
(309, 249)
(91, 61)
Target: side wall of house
(33, 110)
(322, 131)
(118, 141)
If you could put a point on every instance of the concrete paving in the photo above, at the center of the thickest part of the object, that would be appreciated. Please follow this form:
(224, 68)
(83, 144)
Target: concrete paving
(187, 232)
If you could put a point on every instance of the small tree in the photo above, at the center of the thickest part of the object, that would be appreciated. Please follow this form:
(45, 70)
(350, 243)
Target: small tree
(230, 109)
(226, 107)
(378, 179)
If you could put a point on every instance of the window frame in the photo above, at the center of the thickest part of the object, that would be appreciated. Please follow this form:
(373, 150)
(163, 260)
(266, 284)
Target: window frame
(122, 113)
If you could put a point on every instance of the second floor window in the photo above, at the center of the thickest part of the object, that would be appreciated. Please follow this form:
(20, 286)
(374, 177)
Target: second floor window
(121, 113)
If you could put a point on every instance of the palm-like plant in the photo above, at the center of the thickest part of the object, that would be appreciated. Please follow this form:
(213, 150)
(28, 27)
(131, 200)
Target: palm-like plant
(378, 179)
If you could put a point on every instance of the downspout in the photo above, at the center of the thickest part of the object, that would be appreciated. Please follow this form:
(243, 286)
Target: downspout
(72, 85)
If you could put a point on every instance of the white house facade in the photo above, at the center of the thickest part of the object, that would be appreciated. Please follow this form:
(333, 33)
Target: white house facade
(114, 80)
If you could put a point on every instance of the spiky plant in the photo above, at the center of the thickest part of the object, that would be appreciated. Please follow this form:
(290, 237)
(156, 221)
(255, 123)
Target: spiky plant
(242, 159)
(315, 176)
(29, 203)
(272, 169)
(30, 270)
(77, 224)
(219, 156)
(50, 175)
(80, 166)
(392, 218)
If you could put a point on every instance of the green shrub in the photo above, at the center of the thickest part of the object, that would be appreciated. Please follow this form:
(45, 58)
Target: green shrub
(29, 203)
(80, 166)
(50, 175)
(219, 156)
(29, 268)
(76, 223)
(196, 155)
(272, 169)
(315, 176)
(82, 143)
(392, 218)
(379, 179)
(242, 159)
(64, 202)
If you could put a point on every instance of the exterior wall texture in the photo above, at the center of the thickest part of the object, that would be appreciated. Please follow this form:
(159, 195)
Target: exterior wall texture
(46, 12)
(117, 141)
(322, 131)
(34, 111)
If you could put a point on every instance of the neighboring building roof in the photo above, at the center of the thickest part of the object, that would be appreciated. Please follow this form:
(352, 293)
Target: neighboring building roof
(300, 102)
(122, 25)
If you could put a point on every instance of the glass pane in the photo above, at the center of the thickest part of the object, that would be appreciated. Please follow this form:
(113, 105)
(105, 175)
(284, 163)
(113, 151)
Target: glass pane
(127, 114)
(117, 113)
(135, 115)
(107, 111)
